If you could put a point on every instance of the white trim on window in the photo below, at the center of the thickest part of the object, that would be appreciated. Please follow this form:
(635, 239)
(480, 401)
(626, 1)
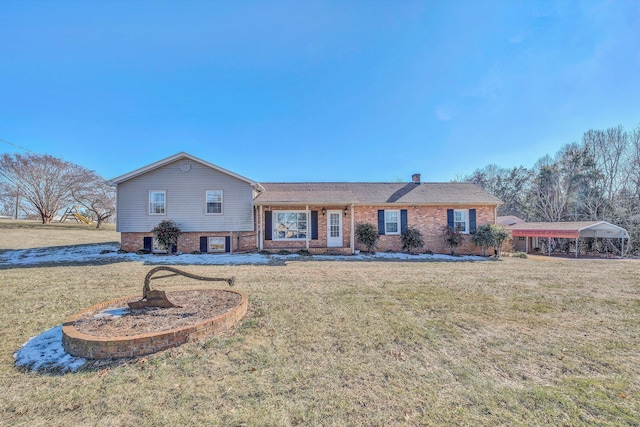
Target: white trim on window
(392, 222)
(157, 202)
(461, 220)
(217, 202)
(290, 225)
(216, 244)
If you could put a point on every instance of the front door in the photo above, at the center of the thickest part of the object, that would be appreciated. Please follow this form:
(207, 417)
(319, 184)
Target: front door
(334, 229)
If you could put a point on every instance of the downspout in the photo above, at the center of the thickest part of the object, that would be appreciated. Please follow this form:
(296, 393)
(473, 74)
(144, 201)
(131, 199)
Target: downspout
(353, 232)
(257, 226)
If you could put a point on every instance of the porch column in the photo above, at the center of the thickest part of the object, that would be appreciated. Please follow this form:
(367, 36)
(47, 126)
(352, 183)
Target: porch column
(549, 245)
(622, 250)
(526, 244)
(577, 246)
(353, 231)
(308, 225)
(260, 231)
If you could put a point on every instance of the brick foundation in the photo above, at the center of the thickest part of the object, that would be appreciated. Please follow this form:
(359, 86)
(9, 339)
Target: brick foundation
(79, 344)
(190, 242)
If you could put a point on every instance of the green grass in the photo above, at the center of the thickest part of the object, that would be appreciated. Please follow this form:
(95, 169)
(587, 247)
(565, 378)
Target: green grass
(515, 342)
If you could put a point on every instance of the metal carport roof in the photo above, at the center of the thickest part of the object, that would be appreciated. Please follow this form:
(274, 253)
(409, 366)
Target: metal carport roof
(570, 230)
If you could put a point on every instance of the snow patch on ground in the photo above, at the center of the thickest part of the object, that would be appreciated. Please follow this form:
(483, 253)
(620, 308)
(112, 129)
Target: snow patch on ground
(108, 253)
(45, 352)
(113, 313)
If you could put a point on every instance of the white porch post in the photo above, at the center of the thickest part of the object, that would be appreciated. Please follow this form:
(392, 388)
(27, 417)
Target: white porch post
(231, 242)
(577, 246)
(260, 232)
(549, 245)
(526, 245)
(622, 250)
(308, 225)
(353, 231)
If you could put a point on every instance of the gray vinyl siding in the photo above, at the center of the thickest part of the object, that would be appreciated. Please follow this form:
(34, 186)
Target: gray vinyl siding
(185, 200)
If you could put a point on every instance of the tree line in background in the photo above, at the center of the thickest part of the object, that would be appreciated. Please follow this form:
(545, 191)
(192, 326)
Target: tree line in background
(45, 186)
(596, 179)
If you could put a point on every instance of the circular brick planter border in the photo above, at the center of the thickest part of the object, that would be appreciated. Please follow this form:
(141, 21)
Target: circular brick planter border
(79, 344)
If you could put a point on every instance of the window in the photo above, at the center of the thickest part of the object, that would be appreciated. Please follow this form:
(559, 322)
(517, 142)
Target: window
(290, 225)
(157, 202)
(157, 248)
(216, 244)
(460, 222)
(214, 202)
(392, 222)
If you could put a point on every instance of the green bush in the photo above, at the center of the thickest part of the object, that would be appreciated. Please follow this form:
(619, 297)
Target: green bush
(167, 233)
(452, 238)
(367, 235)
(411, 239)
(490, 236)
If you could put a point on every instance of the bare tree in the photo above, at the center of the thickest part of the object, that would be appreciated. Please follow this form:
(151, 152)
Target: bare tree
(45, 182)
(554, 188)
(97, 196)
(509, 185)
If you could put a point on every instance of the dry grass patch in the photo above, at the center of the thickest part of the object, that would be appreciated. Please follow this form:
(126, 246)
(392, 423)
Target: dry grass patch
(514, 342)
(23, 234)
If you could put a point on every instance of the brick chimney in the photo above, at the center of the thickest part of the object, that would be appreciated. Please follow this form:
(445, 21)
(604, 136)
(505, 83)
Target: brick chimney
(415, 178)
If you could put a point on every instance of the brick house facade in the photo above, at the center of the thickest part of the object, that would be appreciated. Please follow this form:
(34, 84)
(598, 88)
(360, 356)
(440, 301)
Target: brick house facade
(220, 211)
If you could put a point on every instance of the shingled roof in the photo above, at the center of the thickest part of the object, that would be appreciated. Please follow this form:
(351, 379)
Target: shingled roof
(375, 193)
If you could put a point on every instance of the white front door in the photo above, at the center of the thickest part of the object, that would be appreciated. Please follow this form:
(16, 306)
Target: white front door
(334, 229)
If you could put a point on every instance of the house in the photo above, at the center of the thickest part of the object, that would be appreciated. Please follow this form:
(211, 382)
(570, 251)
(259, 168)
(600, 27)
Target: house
(221, 211)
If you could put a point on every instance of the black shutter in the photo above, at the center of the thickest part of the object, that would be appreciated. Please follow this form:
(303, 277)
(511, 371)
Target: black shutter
(450, 217)
(314, 225)
(227, 243)
(174, 249)
(472, 220)
(147, 243)
(380, 222)
(403, 220)
(203, 244)
(268, 225)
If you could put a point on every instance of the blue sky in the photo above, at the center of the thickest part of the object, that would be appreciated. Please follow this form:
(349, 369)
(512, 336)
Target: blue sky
(315, 90)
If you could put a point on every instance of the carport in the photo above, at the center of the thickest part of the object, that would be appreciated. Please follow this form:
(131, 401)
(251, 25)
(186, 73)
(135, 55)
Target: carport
(568, 230)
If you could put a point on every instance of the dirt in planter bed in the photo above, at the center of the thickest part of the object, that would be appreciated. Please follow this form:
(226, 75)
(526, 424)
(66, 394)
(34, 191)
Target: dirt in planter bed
(196, 306)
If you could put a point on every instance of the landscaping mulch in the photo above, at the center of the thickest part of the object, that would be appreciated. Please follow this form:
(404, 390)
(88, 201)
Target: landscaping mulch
(195, 306)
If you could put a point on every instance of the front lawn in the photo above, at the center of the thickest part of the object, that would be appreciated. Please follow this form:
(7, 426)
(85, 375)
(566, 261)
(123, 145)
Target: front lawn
(512, 342)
